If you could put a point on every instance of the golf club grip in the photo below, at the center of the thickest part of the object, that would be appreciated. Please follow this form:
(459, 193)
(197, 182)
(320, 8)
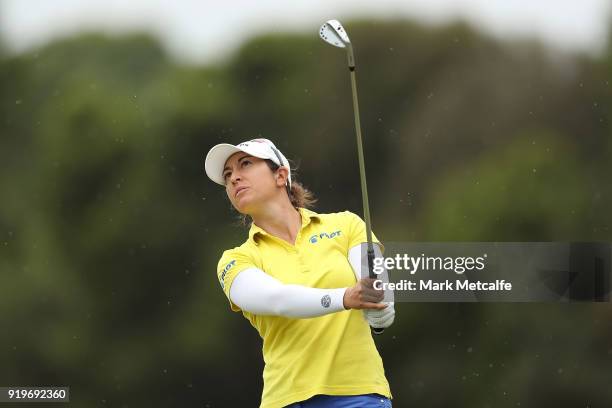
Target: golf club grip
(372, 275)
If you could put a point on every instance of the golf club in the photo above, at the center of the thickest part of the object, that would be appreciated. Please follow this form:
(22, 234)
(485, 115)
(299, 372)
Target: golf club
(333, 33)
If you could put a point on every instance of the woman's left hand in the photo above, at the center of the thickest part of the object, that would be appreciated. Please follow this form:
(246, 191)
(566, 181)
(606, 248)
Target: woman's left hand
(380, 319)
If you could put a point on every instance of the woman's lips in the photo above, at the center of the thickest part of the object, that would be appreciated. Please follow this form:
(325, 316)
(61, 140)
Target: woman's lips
(240, 190)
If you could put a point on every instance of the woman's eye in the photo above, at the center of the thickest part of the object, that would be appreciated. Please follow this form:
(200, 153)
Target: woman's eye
(244, 162)
(226, 175)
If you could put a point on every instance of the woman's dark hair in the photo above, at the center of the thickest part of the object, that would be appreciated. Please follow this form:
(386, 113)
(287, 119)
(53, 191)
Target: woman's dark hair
(299, 195)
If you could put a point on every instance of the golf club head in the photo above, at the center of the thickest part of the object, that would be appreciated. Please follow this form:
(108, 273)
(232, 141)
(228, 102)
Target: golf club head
(333, 33)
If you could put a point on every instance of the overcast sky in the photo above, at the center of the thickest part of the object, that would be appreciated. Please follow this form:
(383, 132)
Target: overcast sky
(206, 31)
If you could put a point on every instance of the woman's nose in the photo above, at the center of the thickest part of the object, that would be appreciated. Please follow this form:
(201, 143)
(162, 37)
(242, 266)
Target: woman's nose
(235, 177)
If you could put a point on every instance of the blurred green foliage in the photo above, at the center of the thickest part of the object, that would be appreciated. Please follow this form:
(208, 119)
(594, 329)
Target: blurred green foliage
(110, 232)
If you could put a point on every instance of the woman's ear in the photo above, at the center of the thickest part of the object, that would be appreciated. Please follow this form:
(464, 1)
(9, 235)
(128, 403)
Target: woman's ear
(281, 176)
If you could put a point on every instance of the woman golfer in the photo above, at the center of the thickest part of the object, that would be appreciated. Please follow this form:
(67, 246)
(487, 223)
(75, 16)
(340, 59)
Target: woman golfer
(297, 280)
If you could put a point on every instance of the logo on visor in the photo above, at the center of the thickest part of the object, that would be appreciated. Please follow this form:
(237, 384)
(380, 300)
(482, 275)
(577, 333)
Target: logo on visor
(245, 144)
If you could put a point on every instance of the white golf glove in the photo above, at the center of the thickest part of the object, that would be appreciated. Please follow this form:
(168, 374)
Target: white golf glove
(380, 319)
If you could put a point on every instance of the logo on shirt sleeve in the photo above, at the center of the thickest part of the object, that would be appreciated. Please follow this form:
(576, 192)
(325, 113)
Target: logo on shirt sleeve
(224, 272)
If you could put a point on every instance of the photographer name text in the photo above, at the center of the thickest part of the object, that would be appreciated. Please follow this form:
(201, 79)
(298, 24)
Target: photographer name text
(431, 285)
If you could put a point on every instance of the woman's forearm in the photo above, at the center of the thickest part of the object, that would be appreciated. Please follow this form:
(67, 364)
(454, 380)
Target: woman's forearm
(256, 292)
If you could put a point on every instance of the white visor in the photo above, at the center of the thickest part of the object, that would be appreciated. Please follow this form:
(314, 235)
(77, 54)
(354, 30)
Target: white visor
(262, 148)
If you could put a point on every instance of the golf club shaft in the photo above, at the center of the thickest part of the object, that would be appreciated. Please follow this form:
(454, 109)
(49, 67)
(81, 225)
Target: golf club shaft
(362, 176)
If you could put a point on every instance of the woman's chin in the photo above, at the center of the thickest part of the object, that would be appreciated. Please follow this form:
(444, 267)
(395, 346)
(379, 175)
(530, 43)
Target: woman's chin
(243, 205)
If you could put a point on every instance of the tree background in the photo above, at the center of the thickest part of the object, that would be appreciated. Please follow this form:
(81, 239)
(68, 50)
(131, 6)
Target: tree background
(110, 231)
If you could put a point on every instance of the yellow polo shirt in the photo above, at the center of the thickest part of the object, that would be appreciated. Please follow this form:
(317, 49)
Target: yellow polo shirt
(332, 354)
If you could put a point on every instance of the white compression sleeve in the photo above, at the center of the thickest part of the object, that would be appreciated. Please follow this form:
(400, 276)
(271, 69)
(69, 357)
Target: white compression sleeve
(256, 292)
(357, 258)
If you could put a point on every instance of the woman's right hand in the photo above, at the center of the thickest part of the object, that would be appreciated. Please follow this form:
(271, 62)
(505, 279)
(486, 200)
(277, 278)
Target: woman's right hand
(364, 296)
